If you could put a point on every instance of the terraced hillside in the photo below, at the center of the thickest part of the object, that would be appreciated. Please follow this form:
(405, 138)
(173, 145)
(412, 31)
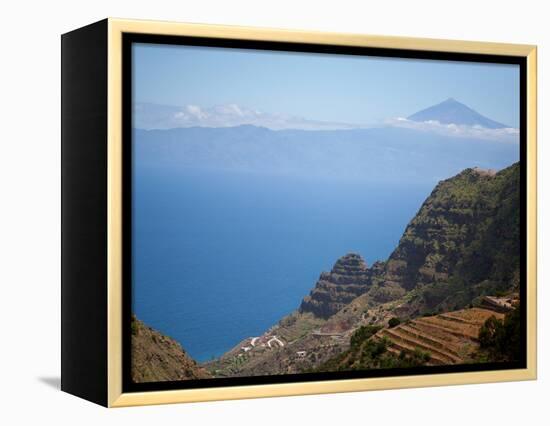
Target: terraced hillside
(449, 338)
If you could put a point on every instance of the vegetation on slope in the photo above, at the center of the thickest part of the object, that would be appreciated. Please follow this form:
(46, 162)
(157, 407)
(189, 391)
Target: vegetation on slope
(500, 339)
(463, 243)
(366, 353)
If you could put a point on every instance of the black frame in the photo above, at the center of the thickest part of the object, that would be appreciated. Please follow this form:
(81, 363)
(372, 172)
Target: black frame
(129, 38)
(84, 320)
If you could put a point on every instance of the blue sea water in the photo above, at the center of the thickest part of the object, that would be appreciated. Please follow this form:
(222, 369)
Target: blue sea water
(218, 257)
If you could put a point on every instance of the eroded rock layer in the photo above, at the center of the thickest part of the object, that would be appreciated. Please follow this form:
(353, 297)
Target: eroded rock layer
(349, 278)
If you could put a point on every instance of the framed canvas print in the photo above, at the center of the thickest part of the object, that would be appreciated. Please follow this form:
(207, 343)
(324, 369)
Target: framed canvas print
(251, 212)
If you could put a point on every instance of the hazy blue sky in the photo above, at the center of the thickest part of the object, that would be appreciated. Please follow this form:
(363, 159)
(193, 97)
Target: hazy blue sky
(350, 89)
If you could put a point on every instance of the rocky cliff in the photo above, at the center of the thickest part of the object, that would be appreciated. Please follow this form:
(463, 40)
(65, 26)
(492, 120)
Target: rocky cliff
(349, 278)
(157, 358)
(463, 243)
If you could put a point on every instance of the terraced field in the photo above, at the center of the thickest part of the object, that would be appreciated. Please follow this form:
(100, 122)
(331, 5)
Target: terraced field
(449, 338)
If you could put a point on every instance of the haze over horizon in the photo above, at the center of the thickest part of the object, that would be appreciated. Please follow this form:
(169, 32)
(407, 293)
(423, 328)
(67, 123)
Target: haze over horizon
(450, 117)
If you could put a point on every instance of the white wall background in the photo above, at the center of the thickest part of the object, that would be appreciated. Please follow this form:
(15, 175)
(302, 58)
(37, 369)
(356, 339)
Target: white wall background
(30, 199)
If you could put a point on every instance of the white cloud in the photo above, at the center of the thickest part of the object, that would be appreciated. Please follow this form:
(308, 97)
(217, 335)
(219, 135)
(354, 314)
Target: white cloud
(153, 116)
(508, 134)
(193, 111)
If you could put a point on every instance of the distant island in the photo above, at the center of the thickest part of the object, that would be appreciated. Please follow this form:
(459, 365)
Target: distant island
(427, 146)
(448, 294)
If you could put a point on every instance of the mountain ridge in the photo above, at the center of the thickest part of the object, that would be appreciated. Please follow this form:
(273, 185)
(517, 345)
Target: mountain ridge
(390, 154)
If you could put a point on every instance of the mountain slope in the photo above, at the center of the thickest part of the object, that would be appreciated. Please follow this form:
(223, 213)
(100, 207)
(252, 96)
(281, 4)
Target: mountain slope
(453, 112)
(157, 358)
(464, 241)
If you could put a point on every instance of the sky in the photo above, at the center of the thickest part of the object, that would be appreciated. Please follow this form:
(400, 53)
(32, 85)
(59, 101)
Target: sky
(326, 88)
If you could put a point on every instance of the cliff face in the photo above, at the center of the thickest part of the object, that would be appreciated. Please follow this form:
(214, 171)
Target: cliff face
(157, 358)
(463, 242)
(349, 278)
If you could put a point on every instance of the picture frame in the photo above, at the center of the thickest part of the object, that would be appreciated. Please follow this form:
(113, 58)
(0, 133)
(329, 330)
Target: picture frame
(98, 162)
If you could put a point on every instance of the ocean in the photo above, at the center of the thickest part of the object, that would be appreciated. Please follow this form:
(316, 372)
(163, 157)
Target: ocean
(221, 256)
